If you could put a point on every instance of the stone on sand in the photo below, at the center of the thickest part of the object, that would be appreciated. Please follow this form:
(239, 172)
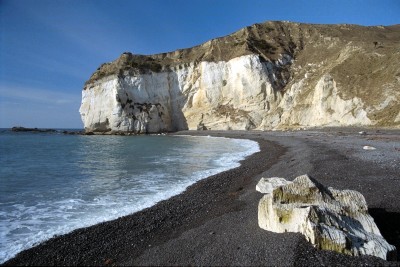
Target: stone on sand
(330, 219)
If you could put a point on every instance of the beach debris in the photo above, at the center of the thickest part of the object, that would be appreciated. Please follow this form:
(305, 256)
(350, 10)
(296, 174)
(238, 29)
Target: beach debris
(369, 148)
(330, 219)
(108, 261)
(362, 133)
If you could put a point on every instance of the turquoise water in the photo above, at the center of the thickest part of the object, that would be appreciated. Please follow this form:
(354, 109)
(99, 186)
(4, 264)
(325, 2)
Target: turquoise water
(51, 184)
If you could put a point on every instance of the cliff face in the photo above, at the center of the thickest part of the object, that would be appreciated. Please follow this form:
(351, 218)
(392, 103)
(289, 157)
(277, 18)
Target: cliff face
(268, 76)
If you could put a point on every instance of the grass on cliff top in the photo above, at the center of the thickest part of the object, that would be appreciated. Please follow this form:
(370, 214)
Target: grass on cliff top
(269, 40)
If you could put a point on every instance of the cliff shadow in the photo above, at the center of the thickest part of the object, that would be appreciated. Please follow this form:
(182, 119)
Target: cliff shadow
(388, 224)
(177, 102)
(152, 104)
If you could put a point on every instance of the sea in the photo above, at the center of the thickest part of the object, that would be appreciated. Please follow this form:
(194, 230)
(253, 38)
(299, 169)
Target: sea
(53, 183)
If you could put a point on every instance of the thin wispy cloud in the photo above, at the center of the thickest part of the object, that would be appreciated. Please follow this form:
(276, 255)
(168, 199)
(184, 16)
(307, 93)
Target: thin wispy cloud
(42, 96)
(46, 63)
(83, 30)
(35, 107)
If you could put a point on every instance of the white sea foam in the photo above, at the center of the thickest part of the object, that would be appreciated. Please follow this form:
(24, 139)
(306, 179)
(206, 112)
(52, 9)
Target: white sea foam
(106, 184)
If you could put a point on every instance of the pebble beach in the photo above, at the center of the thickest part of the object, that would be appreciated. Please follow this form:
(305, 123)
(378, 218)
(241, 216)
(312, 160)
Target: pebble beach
(214, 222)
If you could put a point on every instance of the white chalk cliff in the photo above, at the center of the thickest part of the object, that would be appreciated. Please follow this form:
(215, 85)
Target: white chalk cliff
(268, 76)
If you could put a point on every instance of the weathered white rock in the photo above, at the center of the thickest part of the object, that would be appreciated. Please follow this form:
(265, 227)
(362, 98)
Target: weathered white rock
(330, 219)
(240, 94)
(267, 185)
(218, 95)
(323, 107)
(143, 103)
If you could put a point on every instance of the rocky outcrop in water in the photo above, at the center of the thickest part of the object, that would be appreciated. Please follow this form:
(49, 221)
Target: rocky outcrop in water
(273, 75)
(36, 130)
(330, 219)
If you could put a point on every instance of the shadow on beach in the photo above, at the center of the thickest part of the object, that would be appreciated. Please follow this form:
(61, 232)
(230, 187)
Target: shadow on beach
(388, 224)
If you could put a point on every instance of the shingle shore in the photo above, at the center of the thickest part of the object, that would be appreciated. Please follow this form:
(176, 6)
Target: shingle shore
(214, 222)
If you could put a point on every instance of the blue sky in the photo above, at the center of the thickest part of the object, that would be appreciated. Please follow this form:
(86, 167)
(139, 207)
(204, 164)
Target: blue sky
(48, 49)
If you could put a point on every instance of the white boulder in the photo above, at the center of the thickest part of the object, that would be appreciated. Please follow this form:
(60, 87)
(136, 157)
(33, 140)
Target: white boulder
(330, 219)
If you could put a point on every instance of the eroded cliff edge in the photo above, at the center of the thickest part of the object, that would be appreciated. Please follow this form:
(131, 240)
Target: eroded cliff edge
(272, 75)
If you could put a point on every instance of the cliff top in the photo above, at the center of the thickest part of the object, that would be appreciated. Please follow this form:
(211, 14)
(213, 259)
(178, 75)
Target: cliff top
(268, 40)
